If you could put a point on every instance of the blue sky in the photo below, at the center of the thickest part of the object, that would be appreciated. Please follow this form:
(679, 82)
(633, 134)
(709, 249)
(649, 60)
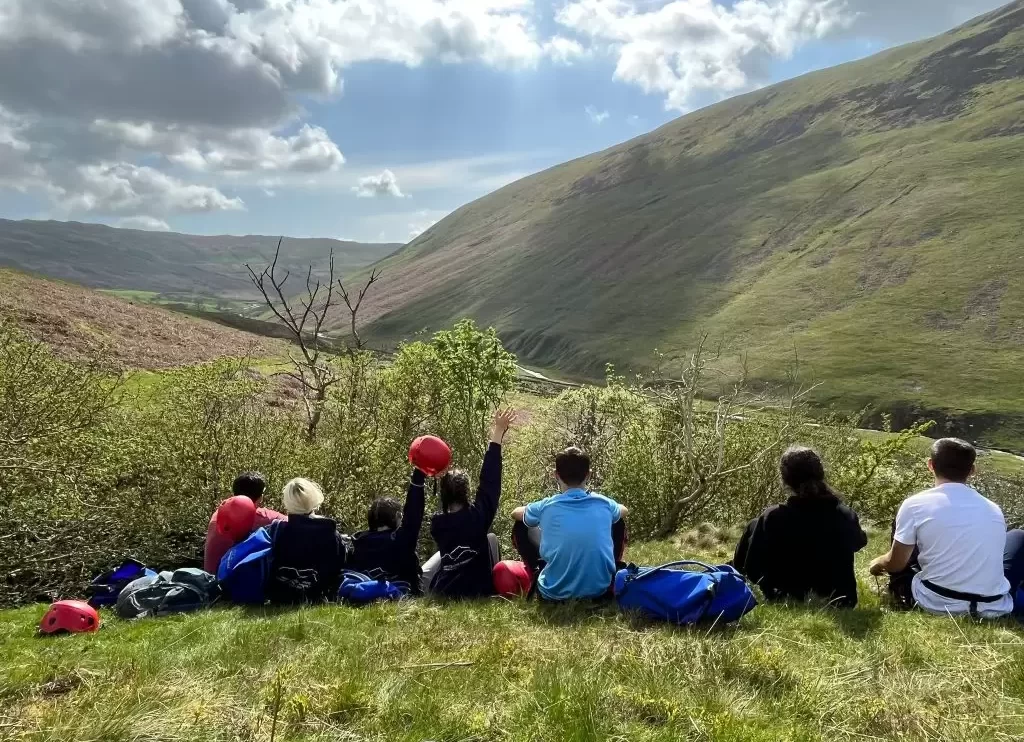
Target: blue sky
(374, 131)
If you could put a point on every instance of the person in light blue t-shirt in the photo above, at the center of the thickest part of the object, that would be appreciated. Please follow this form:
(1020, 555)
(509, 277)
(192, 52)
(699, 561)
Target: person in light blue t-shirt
(575, 539)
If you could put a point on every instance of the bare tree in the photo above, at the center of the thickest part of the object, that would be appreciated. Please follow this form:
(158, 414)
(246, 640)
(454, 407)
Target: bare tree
(305, 318)
(353, 308)
(694, 438)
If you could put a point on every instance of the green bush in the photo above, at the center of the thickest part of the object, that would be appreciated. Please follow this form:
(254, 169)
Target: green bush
(95, 468)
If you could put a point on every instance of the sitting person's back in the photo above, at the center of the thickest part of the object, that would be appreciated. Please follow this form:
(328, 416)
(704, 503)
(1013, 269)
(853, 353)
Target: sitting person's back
(949, 542)
(805, 546)
(467, 551)
(388, 548)
(572, 536)
(308, 552)
(249, 484)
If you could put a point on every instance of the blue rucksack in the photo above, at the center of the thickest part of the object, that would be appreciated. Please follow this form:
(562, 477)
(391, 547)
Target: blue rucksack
(359, 589)
(245, 567)
(684, 597)
(103, 590)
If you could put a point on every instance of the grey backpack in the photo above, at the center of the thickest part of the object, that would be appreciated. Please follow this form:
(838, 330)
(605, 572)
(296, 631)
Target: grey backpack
(180, 591)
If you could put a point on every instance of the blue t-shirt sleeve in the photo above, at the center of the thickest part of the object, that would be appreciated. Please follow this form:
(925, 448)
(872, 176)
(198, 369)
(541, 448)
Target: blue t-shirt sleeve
(614, 508)
(533, 512)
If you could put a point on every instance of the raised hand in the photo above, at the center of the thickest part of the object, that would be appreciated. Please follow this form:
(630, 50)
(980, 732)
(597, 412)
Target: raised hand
(503, 420)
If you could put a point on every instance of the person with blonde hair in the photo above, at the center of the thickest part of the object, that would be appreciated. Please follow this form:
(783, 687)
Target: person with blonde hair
(308, 552)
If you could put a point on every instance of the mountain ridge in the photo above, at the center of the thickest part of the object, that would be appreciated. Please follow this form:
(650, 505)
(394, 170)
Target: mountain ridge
(838, 218)
(104, 257)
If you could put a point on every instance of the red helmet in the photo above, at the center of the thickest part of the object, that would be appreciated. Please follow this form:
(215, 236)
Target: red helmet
(74, 616)
(511, 579)
(236, 517)
(430, 455)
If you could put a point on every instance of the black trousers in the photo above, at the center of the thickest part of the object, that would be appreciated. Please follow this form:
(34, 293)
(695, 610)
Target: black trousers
(527, 542)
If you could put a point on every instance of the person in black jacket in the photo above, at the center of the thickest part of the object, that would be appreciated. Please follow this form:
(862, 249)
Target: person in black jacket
(308, 552)
(467, 550)
(806, 545)
(388, 548)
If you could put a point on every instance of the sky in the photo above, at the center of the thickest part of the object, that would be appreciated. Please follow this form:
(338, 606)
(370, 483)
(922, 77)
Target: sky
(373, 119)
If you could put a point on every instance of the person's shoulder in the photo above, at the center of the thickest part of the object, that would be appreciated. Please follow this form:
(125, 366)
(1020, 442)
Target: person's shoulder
(603, 498)
(923, 498)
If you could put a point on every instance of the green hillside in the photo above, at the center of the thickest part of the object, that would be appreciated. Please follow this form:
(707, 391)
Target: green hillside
(164, 262)
(866, 218)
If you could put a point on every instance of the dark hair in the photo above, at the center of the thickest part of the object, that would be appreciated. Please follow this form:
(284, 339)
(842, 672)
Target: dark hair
(251, 484)
(803, 472)
(953, 459)
(454, 489)
(572, 466)
(385, 512)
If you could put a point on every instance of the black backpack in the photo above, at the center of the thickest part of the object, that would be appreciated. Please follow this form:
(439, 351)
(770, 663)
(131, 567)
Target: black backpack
(307, 558)
(180, 591)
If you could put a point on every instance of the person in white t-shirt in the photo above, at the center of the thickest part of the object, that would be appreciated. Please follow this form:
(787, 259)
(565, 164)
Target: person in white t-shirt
(953, 542)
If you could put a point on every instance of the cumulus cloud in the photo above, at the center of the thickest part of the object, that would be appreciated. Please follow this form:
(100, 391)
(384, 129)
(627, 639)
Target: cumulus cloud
(565, 50)
(125, 188)
(684, 48)
(383, 184)
(595, 116)
(101, 93)
(148, 223)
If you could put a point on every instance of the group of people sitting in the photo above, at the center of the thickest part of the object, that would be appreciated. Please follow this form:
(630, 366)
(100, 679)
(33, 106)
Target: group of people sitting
(571, 543)
(950, 551)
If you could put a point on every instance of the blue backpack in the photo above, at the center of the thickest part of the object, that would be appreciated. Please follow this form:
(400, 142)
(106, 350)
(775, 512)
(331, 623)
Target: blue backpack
(245, 567)
(103, 590)
(684, 597)
(359, 589)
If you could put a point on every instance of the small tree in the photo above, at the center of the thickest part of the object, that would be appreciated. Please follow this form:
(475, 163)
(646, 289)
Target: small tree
(305, 324)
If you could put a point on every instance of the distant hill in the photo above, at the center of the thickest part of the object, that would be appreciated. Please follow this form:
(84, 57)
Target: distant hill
(867, 219)
(165, 262)
(78, 322)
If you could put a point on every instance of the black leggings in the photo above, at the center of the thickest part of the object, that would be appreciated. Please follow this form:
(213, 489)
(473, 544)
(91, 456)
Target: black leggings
(527, 542)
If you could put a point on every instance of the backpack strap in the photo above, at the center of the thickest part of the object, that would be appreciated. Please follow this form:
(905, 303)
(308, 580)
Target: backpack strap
(635, 573)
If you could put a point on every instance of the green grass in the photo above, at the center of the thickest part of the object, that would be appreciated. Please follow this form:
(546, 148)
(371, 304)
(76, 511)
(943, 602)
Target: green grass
(508, 670)
(863, 219)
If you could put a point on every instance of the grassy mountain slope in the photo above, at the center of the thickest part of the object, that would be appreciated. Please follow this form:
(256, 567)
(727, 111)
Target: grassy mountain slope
(104, 257)
(78, 322)
(867, 217)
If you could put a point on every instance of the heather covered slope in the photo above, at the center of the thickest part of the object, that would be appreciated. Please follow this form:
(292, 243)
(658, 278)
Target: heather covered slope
(866, 218)
(78, 323)
(165, 262)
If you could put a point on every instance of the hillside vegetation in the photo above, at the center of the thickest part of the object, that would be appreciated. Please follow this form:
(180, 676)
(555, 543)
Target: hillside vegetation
(865, 219)
(80, 324)
(165, 262)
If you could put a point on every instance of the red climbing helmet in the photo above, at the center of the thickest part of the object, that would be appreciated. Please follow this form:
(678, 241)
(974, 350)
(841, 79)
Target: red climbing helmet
(511, 579)
(74, 616)
(236, 517)
(430, 455)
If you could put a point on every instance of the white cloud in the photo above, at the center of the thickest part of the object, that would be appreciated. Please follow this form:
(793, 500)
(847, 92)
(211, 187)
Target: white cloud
(565, 50)
(211, 87)
(595, 116)
(148, 223)
(382, 184)
(423, 221)
(133, 190)
(684, 48)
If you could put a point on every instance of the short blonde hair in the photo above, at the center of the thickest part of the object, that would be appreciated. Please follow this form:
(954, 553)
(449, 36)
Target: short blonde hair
(301, 496)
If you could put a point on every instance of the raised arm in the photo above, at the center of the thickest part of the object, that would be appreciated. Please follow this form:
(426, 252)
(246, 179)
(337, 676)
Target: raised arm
(412, 512)
(489, 488)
